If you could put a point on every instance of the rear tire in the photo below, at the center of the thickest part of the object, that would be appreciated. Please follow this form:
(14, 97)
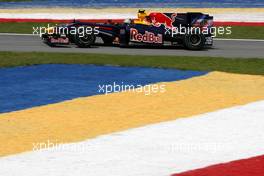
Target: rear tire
(194, 41)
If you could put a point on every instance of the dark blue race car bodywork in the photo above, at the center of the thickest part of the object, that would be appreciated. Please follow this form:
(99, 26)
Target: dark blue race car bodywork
(165, 29)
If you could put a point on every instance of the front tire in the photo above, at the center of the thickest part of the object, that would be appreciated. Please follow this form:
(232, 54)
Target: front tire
(84, 40)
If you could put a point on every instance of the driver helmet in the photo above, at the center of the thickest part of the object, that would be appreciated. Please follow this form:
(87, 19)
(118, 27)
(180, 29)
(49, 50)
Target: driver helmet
(142, 14)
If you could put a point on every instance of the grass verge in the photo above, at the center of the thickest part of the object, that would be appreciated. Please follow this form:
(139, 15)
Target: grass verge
(245, 32)
(243, 66)
(238, 32)
(22, 28)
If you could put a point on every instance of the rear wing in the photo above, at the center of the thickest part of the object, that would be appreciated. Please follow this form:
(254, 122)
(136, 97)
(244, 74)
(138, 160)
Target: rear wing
(193, 19)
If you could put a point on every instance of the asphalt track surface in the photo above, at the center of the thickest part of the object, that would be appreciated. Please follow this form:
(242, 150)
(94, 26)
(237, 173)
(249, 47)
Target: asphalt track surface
(221, 48)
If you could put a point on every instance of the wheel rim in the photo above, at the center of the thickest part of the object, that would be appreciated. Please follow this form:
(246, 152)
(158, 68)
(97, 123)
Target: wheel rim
(195, 40)
(86, 38)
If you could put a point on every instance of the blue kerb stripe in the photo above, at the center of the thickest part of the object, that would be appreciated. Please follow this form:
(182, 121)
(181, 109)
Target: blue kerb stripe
(26, 87)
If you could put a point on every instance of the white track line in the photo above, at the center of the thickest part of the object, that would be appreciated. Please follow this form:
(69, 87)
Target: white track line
(154, 150)
(248, 40)
(16, 34)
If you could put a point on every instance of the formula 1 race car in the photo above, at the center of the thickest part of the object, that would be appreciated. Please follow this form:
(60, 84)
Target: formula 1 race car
(191, 30)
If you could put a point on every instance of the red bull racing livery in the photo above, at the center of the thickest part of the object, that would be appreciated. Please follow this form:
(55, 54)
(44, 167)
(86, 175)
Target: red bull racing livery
(148, 37)
(191, 30)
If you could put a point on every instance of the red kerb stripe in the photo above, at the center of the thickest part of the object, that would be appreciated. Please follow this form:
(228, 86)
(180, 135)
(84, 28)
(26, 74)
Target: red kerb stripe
(246, 167)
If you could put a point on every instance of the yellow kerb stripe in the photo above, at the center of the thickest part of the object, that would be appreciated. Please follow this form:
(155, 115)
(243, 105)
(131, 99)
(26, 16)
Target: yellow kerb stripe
(85, 118)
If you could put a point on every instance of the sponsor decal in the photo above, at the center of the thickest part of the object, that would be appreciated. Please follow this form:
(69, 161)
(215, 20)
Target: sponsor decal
(162, 18)
(148, 37)
(59, 40)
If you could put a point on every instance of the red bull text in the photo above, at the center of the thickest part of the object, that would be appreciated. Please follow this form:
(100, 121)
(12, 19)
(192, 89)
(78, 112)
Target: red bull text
(148, 37)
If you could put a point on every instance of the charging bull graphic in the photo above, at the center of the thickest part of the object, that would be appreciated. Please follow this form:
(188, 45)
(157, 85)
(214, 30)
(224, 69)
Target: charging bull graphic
(162, 18)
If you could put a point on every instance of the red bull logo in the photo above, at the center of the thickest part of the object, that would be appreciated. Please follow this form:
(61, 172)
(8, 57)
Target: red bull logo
(161, 18)
(148, 37)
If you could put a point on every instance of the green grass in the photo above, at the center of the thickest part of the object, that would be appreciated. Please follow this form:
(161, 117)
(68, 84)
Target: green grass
(244, 66)
(245, 32)
(22, 28)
